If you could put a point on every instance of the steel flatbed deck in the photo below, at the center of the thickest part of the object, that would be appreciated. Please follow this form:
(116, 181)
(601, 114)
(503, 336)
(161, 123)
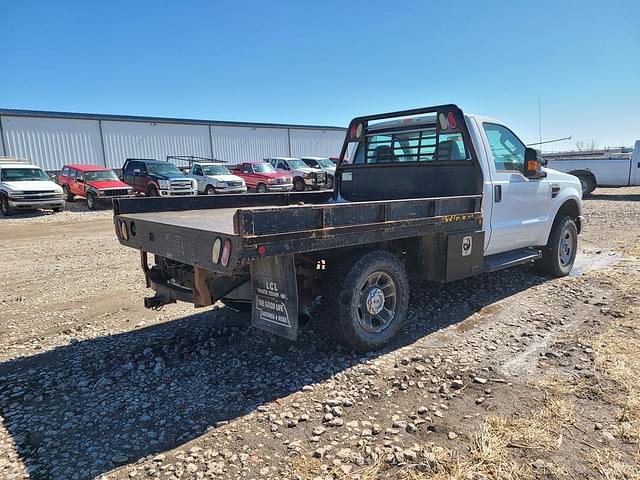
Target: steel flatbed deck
(185, 229)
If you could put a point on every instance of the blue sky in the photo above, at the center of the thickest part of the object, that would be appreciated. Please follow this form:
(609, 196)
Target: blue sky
(325, 62)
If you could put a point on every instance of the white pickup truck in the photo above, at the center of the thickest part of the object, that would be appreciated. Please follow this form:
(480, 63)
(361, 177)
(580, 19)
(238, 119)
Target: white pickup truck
(214, 177)
(27, 187)
(605, 171)
(430, 193)
(304, 176)
(324, 164)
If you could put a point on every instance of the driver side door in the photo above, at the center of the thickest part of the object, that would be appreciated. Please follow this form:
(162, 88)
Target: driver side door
(520, 210)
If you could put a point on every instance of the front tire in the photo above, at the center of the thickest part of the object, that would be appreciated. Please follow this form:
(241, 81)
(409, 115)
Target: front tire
(69, 197)
(559, 255)
(209, 190)
(261, 188)
(298, 184)
(370, 295)
(152, 191)
(91, 200)
(5, 209)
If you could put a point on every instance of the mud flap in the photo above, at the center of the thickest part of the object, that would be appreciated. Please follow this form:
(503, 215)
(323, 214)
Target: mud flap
(275, 296)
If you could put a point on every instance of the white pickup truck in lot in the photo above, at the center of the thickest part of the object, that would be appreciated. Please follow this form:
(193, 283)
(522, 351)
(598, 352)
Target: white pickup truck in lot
(27, 187)
(214, 177)
(430, 193)
(604, 171)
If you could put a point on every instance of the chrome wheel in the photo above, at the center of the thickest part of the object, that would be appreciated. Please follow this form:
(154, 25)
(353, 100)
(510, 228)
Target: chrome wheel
(377, 306)
(566, 249)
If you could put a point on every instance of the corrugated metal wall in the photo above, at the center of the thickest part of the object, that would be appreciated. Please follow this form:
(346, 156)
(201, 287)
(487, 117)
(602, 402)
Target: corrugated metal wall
(1, 140)
(52, 142)
(247, 144)
(320, 143)
(124, 140)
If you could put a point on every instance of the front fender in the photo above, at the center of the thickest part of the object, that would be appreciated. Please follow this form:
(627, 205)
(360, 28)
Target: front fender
(568, 202)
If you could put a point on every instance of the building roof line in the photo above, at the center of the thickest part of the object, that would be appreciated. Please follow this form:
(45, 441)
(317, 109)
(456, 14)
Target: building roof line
(11, 112)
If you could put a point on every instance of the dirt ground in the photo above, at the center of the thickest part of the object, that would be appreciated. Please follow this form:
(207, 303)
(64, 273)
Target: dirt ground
(502, 376)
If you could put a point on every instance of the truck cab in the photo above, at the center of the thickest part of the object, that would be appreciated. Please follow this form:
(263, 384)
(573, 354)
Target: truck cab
(24, 186)
(215, 177)
(304, 176)
(519, 205)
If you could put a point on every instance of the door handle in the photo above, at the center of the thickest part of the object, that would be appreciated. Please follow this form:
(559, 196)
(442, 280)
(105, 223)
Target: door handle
(497, 193)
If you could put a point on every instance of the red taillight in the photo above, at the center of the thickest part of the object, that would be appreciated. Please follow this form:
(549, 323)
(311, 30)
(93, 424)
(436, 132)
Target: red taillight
(226, 253)
(262, 249)
(352, 131)
(452, 120)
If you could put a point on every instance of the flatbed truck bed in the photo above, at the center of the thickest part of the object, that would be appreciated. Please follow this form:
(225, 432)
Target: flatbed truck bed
(281, 224)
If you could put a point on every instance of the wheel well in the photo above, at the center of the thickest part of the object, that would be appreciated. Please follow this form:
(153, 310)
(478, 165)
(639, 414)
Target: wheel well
(572, 209)
(583, 173)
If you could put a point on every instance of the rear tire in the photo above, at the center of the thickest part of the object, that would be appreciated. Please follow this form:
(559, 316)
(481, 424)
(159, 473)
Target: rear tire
(370, 298)
(209, 190)
(152, 191)
(69, 197)
(261, 188)
(588, 184)
(559, 255)
(91, 200)
(298, 184)
(5, 209)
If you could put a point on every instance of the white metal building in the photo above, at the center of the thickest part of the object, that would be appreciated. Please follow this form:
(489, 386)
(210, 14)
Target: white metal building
(51, 139)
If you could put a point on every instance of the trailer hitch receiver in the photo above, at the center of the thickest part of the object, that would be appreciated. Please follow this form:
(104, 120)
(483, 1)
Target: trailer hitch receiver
(157, 302)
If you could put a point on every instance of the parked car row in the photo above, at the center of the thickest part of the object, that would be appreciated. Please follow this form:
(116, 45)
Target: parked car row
(27, 187)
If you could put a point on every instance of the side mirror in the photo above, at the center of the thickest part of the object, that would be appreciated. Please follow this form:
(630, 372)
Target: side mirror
(533, 163)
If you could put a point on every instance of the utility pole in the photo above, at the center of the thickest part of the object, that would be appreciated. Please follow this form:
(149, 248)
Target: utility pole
(540, 120)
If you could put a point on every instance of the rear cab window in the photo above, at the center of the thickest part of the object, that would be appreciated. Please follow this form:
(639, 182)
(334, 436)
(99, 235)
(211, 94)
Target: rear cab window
(412, 145)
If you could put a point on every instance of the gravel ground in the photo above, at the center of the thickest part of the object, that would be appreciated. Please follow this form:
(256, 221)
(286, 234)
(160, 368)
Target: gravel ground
(92, 385)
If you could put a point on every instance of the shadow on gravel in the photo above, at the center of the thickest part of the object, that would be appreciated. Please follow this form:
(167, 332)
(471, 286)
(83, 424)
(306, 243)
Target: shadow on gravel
(80, 410)
(613, 197)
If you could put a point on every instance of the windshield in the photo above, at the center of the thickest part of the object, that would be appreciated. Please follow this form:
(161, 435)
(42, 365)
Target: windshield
(263, 168)
(100, 175)
(215, 170)
(297, 164)
(163, 169)
(23, 174)
(326, 163)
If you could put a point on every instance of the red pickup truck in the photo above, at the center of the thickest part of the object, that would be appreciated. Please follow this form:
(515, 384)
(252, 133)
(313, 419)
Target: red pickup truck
(98, 185)
(262, 177)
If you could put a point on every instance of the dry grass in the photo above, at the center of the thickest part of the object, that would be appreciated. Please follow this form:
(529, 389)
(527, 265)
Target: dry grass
(560, 385)
(617, 357)
(610, 465)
